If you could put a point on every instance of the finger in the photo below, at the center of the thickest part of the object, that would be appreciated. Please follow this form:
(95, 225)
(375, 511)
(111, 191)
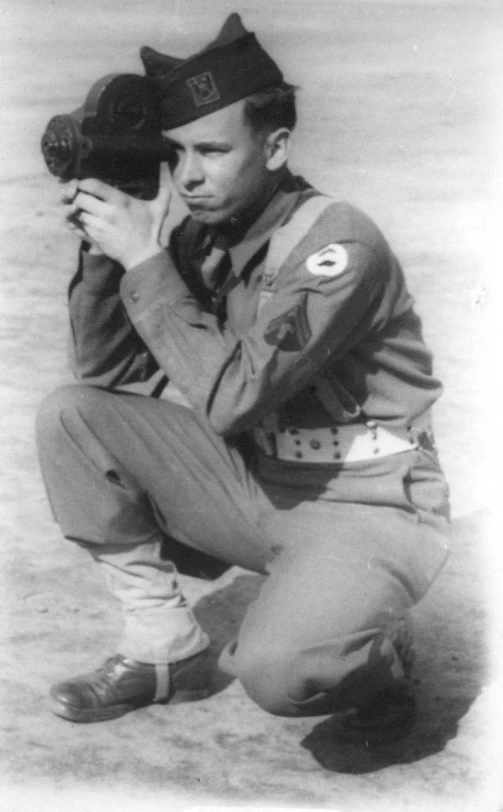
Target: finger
(73, 222)
(69, 191)
(72, 216)
(79, 232)
(71, 210)
(92, 226)
(76, 228)
(98, 188)
(91, 204)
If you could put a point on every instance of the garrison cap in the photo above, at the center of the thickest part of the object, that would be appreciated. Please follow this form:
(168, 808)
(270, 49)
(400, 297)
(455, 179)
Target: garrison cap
(230, 68)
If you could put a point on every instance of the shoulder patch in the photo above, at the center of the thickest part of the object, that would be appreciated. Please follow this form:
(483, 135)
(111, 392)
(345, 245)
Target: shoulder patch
(329, 261)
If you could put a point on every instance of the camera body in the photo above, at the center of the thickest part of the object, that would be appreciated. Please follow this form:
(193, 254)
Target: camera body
(115, 137)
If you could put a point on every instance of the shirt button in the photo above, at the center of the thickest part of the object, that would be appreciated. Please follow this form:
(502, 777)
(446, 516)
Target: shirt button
(134, 296)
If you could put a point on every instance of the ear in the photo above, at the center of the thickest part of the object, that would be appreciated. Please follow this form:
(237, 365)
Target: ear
(277, 148)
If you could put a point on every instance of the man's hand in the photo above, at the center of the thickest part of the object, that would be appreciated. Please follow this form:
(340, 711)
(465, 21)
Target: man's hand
(120, 226)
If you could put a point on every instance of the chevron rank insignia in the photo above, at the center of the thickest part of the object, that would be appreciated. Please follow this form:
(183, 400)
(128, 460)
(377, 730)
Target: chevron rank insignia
(330, 261)
(290, 331)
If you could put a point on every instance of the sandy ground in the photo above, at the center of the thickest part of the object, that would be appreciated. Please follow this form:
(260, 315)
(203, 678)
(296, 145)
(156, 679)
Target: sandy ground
(396, 115)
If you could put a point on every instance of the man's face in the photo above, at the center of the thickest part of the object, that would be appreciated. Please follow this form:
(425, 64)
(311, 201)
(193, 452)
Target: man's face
(221, 168)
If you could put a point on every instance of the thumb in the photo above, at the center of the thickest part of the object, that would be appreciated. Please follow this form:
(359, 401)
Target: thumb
(164, 196)
(160, 209)
(161, 203)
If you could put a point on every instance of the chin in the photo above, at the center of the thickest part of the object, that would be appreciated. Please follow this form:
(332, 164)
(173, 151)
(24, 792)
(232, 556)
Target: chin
(210, 218)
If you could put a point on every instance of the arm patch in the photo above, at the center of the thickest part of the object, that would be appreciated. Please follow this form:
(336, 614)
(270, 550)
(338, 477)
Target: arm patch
(329, 261)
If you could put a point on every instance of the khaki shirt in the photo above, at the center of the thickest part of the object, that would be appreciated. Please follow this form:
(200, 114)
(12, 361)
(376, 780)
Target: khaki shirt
(338, 311)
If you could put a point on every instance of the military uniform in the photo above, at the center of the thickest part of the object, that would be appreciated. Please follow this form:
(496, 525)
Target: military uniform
(306, 454)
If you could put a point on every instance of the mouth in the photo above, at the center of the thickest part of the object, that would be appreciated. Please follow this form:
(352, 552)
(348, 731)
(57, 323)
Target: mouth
(195, 201)
(203, 208)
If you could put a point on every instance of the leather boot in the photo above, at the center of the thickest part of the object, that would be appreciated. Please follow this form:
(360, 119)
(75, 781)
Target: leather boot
(120, 685)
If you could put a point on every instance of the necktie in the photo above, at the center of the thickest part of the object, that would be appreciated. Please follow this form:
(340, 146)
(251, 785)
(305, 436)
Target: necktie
(216, 265)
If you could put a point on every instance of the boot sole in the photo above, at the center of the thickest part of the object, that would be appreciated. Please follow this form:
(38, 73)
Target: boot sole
(73, 714)
(89, 714)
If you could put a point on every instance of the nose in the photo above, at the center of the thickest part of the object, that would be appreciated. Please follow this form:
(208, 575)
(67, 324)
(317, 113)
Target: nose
(189, 172)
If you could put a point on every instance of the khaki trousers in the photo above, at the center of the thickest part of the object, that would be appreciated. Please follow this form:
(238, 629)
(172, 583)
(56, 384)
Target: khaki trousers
(346, 548)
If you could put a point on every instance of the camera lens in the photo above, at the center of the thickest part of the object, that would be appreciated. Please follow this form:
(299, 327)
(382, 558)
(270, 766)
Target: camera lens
(59, 146)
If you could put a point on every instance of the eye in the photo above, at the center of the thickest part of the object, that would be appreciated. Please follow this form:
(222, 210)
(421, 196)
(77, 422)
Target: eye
(213, 150)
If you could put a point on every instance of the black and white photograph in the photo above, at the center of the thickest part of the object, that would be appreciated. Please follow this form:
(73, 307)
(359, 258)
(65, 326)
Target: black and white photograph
(249, 405)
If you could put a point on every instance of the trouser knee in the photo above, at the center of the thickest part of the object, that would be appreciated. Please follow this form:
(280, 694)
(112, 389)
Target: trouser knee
(265, 678)
(83, 453)
(333, 675)
(277, 684)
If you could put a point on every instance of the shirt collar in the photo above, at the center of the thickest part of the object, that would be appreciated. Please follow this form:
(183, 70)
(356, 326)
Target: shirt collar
(279, 206)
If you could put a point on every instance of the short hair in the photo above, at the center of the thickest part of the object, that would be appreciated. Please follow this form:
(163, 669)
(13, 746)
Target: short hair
(272, 108)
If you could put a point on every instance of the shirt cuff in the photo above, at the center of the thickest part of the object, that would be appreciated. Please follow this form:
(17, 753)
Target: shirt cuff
(157, 277)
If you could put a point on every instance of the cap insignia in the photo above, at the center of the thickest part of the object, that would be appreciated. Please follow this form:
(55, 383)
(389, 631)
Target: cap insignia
(203, 89)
